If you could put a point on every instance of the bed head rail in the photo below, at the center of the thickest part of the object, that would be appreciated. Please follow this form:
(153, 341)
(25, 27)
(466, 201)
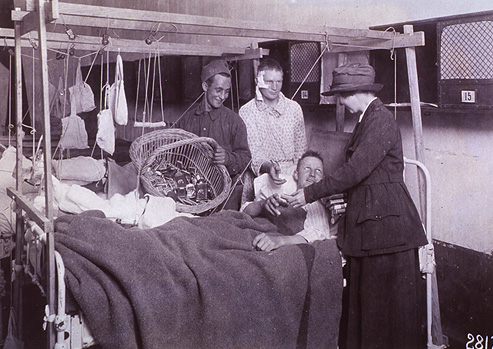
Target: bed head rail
(40, 224)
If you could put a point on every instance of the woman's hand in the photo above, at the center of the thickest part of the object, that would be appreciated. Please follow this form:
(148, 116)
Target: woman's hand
(297, 199)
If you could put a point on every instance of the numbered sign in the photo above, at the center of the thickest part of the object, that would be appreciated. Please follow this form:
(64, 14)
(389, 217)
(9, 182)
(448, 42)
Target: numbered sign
(468, 96)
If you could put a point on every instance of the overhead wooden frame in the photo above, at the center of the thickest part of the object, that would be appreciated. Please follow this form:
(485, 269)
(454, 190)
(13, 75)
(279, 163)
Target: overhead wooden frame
(202, 28)
(93, 43)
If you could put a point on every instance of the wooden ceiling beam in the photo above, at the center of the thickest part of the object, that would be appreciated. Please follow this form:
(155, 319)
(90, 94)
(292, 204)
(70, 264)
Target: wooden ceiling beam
(364, 45)
(59, 41)
(86, 42)
(181, 24)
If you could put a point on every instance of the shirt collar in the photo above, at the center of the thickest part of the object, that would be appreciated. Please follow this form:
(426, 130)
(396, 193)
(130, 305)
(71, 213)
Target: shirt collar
(364, 111)
(201, 111)
(276, 110)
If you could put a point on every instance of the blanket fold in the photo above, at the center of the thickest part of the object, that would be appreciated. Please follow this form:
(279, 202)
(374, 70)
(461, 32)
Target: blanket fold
(199, 283)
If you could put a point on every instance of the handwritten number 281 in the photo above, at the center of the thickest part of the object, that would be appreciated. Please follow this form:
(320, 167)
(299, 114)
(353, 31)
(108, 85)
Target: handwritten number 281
(477, 342)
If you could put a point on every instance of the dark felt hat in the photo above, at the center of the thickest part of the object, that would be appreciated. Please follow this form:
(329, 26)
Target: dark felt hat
(213, 68)
(353, 77)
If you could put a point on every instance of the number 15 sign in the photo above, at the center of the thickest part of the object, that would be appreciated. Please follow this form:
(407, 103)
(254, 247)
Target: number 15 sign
(468, 96)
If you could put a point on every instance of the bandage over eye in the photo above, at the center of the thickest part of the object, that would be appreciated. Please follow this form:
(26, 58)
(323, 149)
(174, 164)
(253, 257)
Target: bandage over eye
(260, 80)
(260, 84)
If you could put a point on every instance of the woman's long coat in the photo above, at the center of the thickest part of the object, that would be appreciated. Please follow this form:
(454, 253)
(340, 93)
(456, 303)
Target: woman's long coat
(381, 217)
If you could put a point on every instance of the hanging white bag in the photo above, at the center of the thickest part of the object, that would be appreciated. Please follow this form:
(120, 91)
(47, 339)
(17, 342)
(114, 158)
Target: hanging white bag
(117, 101)
(82, 93)
(105, 138)
(74, 134)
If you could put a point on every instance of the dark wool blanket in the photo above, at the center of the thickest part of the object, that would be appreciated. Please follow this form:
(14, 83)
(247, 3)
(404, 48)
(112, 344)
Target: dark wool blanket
(198, 283)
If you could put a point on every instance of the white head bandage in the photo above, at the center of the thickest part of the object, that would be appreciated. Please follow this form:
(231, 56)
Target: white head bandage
(260, 84)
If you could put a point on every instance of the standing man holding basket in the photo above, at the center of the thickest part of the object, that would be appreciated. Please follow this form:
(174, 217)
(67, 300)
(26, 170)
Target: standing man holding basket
(210, 118)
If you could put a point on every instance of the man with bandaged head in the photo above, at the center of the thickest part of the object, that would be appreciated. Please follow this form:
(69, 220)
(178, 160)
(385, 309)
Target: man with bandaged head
(275, 125)
(210, 118)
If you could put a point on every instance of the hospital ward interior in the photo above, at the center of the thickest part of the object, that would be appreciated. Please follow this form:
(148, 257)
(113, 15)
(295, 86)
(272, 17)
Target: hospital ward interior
(246, 174)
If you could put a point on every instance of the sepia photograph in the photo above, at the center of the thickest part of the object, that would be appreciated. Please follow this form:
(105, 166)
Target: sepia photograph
(246, 174)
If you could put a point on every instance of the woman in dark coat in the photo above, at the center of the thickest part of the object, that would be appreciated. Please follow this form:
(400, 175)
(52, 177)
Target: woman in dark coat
(383, 230)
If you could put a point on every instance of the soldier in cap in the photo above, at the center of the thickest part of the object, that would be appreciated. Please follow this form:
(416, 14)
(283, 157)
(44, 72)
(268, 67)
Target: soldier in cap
(382, 229)
(210, 118)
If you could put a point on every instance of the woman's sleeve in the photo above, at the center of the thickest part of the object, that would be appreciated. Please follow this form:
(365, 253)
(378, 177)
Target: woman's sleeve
(378, 136)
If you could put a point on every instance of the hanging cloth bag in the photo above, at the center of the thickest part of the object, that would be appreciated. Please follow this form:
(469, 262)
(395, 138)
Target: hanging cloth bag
(82, 93)
(105, 138)
(74, 134)
(62, 104)
(117, 101)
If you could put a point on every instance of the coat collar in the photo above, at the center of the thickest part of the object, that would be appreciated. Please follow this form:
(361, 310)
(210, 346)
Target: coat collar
(374, 104)
(364, 111)
(202, 112)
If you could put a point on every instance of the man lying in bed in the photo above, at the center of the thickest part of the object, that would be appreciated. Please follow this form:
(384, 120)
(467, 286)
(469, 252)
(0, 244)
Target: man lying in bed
(269, 203)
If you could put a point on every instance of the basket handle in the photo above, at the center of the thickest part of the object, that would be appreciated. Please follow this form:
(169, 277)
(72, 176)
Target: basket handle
(209, 141)
(136, 151)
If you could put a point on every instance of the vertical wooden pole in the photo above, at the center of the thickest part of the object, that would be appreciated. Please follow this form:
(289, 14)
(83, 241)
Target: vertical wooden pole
(18, 102)
(50, 243)
(255, 61)
(412, 72)
(436, 336)
(17, 291)
(340, 109)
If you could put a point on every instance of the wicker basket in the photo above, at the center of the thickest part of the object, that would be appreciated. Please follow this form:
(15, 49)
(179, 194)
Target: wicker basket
(166, 147)
(142, 147)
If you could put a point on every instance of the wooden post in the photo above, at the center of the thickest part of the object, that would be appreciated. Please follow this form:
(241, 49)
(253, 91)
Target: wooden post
(18, 103)
(255, 61)
(412, 71)
(340, 109)
(17, 291)
(50, 243)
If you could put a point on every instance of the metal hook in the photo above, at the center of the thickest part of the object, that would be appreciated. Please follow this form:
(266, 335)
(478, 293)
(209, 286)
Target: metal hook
(328, 43)
(392, 50)
(70, 33)
(152, 31)
(149, 39)
(60, 55)
(33, 43)
(105, 40)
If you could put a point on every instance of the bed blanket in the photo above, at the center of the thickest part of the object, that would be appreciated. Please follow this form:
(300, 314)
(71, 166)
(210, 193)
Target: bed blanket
(199, 283)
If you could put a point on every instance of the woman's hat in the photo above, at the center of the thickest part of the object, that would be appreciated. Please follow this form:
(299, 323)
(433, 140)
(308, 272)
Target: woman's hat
(353, 77)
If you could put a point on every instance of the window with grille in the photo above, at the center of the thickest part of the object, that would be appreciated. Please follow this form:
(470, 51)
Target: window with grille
(465, 72)
(303, 56)
(466, 51)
